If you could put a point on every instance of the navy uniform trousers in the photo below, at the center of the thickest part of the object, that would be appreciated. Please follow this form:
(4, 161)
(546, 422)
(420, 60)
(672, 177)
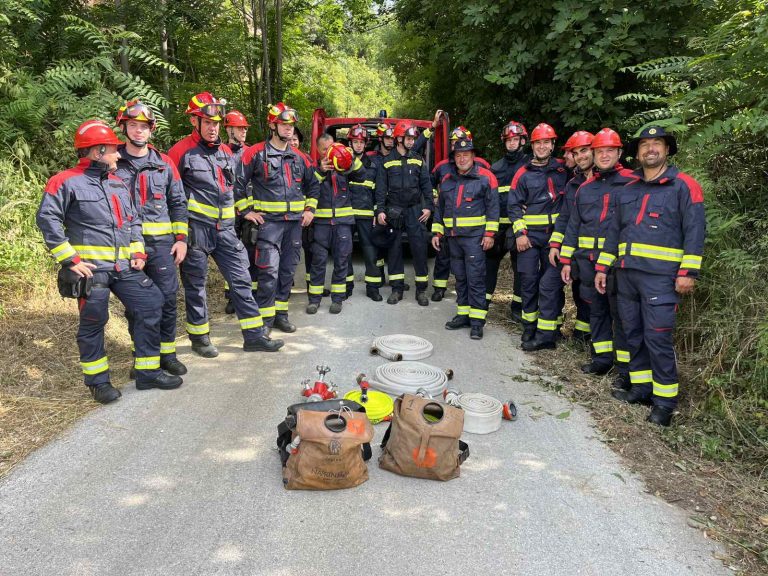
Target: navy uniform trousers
(468, 267)
(277, 255)
(442, 267)
(230, 256)
(536, 273)
(417, 238)
(143, 301)
(336, 241)
(374, 274)
(648, 307)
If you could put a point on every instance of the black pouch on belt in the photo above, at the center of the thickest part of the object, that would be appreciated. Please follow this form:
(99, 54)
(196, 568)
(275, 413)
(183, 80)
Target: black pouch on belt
(395, 217)
(73, 286)
(250, 233)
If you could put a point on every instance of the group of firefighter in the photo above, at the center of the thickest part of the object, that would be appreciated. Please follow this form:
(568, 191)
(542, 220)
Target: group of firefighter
(628, 242)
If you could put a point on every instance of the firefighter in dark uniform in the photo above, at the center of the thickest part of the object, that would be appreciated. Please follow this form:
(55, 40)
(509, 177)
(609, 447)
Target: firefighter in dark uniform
(362, 186)
(404, 200)
(385, 134)
(334, 219)
(207, 172)
(89, 224)
(467, 217)
(514, 137)
(159, 198)
(655, 245)
(584, 237)
(534, 203)
(236, 125)
(284, 198)
(578, 152)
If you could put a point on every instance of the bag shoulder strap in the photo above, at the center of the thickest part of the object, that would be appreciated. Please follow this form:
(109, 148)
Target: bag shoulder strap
(463, 452)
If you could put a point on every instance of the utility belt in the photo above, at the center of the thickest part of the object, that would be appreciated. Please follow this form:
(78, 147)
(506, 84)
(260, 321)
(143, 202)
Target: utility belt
(71, 285)
(396, 215)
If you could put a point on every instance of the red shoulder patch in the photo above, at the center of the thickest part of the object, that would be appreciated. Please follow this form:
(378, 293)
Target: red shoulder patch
(55, 182)
(694, 188)
(177, 151)
(307, 161)
(226, 149)
(441, 163)
(482, 161)
(519, 174)
(251, 152)
(167, 160)
(490, 175)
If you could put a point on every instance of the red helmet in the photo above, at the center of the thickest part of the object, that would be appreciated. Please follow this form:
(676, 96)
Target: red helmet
(281, 114)
(404, 128)
(607, 138)
(95, 133)
(204, 105)
(136, 110)
(543, 132)
(460, 132)
(384, 129)
(578, 140)
(357, 132)
(339, 156)
(513, 129)
(235, 119)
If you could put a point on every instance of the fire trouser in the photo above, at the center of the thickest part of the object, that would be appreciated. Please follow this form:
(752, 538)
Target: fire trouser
(442, 267)
(647, 306)
(229, 254)
(468, 267)
(143, 301)
(417, 238)
(373, 272)
(336, 241)
(493, 258)
(551, 302)
(531, 265)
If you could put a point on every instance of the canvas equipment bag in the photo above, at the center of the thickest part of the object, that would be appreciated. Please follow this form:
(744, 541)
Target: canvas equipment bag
(330, 453)
(423, 439)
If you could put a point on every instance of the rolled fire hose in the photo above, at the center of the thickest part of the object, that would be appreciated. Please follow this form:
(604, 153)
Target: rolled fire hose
(402, 347)
(482, 414)
(408, 377)
(377, 407)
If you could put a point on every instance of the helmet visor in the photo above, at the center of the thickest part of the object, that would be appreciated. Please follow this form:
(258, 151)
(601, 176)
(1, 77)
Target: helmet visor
(213, 111)
(288, 116)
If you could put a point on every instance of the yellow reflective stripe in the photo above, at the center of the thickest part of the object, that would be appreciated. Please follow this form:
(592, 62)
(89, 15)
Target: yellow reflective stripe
(156, 228)
(691, 261)
(180, 228)
(136, 247)
(63, 252)
(656, 252)
(254, 285)
(307, 276)
(415, 161)
(622, 355)
(466, 221)
(548, 325)
(210, 211)
(316, 290)
(267, 311)
(462, 310)
(366, 183)
(282, 206)
(380, 262)
(397, 277)
(518, 225)
(167, 347)
(147, 363)
(603, 347)
(606, 259)
(557, 237)
(567, 251)
(581, 326)
(587, 242)
(437, 228)
(391, 163)
(281, 306)
(491, 226)
(198, 329)
(517, 298)
(539, 219)
(421, 278)
(503, 189)
(530, 316)
(351, 278)
(310, 203)
(373, 279)
(477, 313)
(488, 296)
(329, 212)
(226, 285)
(505, 220)
(242, 204)
(103, 252)
(640, 377)
(437, 283)
(252, 322)
(96, 366)
(665, 390)
(622, 249)
(319, 177)
(338, 288)
(357, 212)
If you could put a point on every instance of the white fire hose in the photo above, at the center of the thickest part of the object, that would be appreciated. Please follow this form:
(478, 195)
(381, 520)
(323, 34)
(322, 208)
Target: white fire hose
(409, 377)
(402, 347)
(482, 413)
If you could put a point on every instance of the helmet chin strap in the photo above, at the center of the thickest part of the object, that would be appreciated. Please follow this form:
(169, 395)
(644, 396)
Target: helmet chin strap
(137, 143)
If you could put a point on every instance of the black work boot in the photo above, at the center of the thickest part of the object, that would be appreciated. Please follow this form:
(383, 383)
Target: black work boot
(516, 312)
(201, 345)
(535, 344)
(529, 331)
(421, 298)
(406, 286)
(438, 294)
(660, 415)
(312, 308)
(335, 307)
(373, 293)
(104, 393)
(458, 321)
(632, 396)
(596, 369)
(395, 297)
(172, 366)
(263, 344)
(621, 382)
(326, 292)
(476, 333)
(281, 323)
(350, 288)
(229, 308)
(162, 381)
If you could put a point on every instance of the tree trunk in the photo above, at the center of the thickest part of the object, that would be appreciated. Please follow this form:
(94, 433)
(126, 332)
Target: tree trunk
(124, 43)
(279, 49)
(266, 77)
(164, 57)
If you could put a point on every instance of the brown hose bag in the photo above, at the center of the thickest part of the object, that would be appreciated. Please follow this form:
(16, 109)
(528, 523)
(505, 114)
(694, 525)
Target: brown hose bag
(330, 454)
(423, 439)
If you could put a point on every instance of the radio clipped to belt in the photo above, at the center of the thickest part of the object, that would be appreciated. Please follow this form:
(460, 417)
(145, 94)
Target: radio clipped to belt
(249, 233)
(73, 286)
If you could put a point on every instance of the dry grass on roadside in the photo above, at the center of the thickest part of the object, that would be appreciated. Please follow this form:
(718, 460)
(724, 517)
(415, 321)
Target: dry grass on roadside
(724, 501)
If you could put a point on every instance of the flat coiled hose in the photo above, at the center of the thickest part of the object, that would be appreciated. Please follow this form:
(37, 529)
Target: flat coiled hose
(399, 347)
(378, 406)
(482, 414)
(408, 377)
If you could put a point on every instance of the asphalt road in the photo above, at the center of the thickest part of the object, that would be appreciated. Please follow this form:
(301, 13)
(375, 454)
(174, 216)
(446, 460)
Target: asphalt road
(188, 482)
